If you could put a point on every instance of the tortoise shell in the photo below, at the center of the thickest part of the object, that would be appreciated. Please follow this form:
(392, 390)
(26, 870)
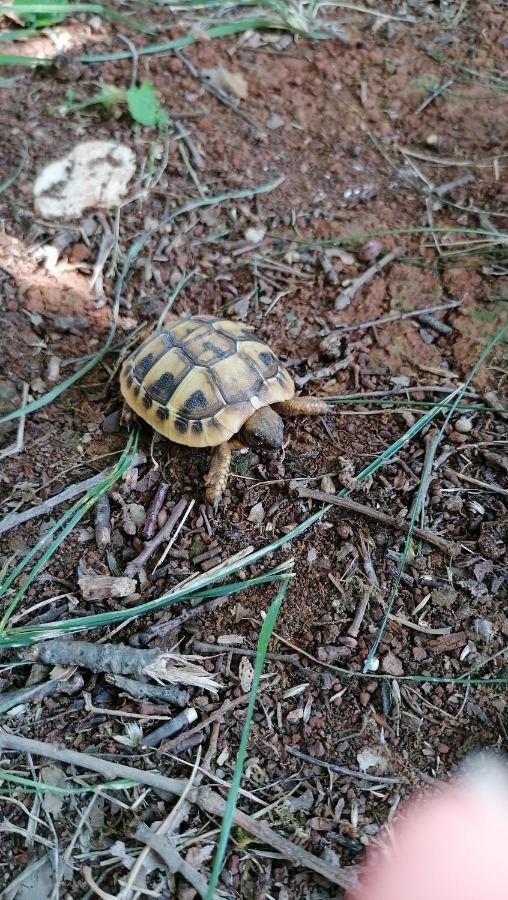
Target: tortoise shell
(199, 381)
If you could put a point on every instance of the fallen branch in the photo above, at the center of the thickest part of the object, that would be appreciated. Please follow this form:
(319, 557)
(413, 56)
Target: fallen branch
(345, 296)
(213, 804)
(17, 445)
(141, 690)
(345, 503)
(161, 629)
(354, 629)
(205, 798)
(74, 490)
(171, 858)
(327, 342)
(140, 561)
(162, 665)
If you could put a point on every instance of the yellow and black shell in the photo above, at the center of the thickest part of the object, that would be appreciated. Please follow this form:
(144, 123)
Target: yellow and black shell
(199, 381)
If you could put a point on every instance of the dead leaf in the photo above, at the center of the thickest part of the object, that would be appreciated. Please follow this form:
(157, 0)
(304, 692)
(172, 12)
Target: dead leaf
(198, 855)
(54, 776)
(319, 823)
(257, 514)
(371, 759)
(246, 674)
(232, 82)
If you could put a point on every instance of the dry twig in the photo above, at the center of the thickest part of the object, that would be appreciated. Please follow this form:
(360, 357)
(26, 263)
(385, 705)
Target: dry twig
(17, 445)
(346, 503)
(140, 561)
(345, 296)
(74, 490)
(205, 798)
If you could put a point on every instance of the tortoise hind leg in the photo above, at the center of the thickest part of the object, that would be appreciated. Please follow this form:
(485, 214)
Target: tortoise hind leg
(217, 476)
(302, 406)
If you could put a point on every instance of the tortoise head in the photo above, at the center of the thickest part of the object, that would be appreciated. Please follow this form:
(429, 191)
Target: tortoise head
(264, 428)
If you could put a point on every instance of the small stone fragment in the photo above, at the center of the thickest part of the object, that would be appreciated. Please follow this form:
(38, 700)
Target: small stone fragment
(392, 665)
(463, 425)
(370, 251)
(257, 514)
(94, 174)
(274, 122)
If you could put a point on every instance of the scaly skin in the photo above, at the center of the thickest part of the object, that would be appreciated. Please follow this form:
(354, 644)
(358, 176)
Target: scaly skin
(302, 406)
(217, 476)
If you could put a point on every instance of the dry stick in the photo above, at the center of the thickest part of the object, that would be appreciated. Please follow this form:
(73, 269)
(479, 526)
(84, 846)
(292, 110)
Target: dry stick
(204, 798)
(440, 90)
(182, 810)
(345, 503)
(141, 690)
(209, 801)
(168, 729)
(432, 439)
(116, 658)
(354, 629)
(74, 490)
(394, 317)
(171, 858)
(309, 674)
(342, 770)
(174, 536)
(345, 296)
(160, 629)
(150, 526)
(220, 95)
(443, 189)
(136, 564)
(103, 522)
(109, 770)
(205, 647)
(486, 485)
(226, 707)
(16, 446)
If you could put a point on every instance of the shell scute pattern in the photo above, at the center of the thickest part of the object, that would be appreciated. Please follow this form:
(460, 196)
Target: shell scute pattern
(198, 382)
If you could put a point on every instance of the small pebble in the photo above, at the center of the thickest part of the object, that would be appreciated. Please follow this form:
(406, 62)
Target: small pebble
(370, 251)
(257, 514)
(463, 425)
(274, 122)
(392, 665)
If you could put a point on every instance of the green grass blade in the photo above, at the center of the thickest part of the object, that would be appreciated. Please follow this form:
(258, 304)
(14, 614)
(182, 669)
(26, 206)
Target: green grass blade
(67, 9)
(8, 59)
(19, 34)
(227, 820)
(29, 634)
(416, 508)
(40, 787)
(64, 526)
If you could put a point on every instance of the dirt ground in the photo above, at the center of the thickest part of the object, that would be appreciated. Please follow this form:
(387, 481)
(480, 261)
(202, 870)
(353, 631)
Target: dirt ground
(391, 137)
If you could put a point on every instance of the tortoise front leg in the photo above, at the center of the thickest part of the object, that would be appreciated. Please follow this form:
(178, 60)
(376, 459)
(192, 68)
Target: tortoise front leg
(302, 406)
(217, 476)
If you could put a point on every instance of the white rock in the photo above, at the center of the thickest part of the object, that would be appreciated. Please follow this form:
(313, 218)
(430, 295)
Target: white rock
(463, 425)
(255, 235)
(94, 174)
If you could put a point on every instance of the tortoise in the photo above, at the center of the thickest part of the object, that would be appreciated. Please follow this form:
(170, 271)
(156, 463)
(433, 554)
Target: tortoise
(210, 382)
